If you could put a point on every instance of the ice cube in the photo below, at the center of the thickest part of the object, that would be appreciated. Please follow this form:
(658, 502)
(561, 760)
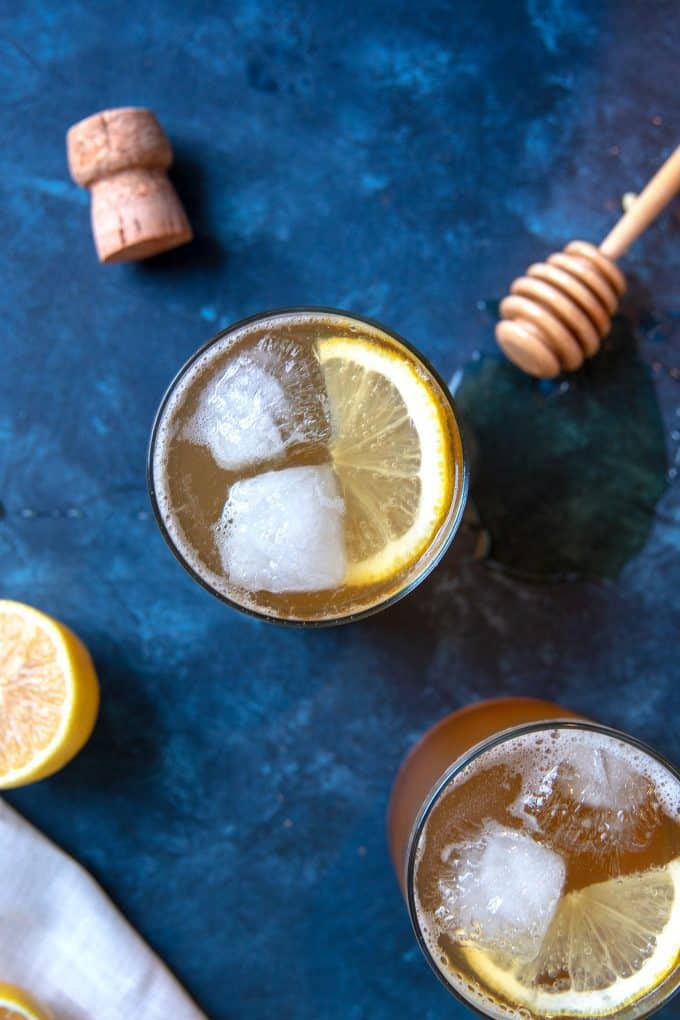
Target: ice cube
(501, 891)
(282, 531)
(600, 779)
(593, 801)
(239, 416)
(267, 399)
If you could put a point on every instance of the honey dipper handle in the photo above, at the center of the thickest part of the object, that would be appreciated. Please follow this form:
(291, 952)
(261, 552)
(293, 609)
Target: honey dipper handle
(662, 188)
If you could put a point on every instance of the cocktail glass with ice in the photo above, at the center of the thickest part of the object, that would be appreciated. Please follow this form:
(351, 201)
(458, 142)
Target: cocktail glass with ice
(306, 466)
(539, 855)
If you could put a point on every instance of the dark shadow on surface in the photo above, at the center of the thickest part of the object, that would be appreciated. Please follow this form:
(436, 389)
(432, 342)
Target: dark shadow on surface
(655, 325)
(205, 252)
(566, 475)
(408, 621)
(104, 777)
(122, 748)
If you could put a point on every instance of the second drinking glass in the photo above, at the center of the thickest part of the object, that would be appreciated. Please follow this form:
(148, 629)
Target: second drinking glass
(539, 855)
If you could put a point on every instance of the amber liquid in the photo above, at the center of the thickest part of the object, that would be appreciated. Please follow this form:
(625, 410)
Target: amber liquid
(491, 792)
(443, 745)
(191, 488)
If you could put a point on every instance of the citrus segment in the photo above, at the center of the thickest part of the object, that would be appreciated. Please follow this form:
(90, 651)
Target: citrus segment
(48, 694)
(609, 944)
(391, 450)
(16, 1004)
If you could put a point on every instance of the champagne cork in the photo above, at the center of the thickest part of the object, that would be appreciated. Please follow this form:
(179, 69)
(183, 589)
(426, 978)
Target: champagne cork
(121, 156)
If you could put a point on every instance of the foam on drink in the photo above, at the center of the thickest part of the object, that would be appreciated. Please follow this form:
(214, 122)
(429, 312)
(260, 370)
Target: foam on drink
(533, 833)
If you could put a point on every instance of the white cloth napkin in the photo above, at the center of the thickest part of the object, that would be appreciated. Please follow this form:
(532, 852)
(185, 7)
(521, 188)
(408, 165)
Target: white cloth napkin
(62, 939)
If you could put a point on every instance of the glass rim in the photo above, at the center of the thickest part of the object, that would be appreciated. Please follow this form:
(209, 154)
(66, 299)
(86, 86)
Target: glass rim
(258, 614)
(457, 766)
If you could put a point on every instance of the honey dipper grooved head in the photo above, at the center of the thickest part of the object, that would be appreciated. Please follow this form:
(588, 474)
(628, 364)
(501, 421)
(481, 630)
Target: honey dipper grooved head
(122, 156)
(557, 315)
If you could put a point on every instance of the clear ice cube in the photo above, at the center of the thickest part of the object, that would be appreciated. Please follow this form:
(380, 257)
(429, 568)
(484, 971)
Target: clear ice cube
(501, 891)
(593, 801)
(268, 398)
(282, 531)
(599, 779)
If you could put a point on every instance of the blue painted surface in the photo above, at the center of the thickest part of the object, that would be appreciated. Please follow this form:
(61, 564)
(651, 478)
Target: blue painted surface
(402, 160)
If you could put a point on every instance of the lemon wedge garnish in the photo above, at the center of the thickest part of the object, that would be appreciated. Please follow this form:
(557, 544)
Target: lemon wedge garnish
(609, 944)
(16, 1004)
(48, 694)
(391, 450)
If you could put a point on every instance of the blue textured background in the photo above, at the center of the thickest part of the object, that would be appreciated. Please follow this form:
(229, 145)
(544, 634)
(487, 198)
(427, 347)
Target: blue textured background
(403, 160)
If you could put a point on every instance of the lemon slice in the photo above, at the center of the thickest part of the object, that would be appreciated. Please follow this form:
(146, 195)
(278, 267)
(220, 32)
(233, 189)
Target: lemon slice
(608, 945)
(391, 450)
(48, 695)
(16, 1004)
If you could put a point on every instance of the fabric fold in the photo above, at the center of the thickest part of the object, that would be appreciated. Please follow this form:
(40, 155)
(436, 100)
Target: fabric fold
(63, 940)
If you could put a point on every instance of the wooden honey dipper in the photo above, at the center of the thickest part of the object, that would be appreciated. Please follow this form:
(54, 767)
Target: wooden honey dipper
(558, 313)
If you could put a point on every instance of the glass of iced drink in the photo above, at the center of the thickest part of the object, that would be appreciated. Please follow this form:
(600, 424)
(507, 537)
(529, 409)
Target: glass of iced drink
(306, 466)
(539, 855)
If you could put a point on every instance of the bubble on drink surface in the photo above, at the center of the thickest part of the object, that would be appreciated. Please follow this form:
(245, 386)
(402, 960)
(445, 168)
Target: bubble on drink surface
(500, 892)
(267, 399)
(282, 531)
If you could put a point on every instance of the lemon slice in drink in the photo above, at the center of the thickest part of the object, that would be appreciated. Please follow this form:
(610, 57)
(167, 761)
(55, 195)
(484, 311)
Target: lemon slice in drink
(608, 945)
(48, 695)
(391, 450)
(16, 1004)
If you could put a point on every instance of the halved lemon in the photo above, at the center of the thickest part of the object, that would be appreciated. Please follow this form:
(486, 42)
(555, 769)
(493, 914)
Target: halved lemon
(16, 1004)
(608, 945)
(49, 695)
(392, 451)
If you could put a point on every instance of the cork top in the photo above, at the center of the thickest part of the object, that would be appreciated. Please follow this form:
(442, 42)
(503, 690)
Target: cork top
(121, 156)
(115, 140)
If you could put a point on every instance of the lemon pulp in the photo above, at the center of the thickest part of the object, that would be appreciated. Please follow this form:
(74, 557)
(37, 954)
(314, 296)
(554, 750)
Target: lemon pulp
(48, 694)
(391, 450)
(609, 944)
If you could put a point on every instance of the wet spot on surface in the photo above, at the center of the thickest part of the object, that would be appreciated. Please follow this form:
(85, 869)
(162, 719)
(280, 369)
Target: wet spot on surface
(566, 475)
